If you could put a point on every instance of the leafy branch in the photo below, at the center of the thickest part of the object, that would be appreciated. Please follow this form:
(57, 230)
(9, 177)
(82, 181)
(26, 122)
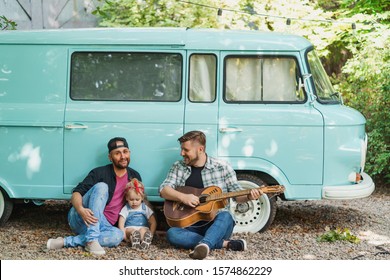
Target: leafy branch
(7, 24)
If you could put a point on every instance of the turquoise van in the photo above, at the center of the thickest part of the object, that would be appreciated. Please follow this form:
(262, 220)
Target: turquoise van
(263, 100)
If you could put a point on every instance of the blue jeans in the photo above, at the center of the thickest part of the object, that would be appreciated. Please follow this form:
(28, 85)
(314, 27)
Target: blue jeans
(213, 233)
(106, 234)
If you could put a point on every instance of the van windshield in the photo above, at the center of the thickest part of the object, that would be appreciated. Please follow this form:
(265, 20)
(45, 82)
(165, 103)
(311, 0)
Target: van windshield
(323, 87)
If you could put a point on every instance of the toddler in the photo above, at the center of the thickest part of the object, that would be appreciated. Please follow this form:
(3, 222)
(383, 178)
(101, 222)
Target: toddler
(136, 218)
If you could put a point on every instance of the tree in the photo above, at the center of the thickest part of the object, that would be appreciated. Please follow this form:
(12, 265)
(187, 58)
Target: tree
(365, 78)
(152, 13)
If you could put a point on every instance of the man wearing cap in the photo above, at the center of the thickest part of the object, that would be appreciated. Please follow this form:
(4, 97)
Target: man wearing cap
(97, 201)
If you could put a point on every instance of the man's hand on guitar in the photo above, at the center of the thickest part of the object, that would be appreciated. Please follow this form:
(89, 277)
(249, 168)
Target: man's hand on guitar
(190, 200)
(255, 194)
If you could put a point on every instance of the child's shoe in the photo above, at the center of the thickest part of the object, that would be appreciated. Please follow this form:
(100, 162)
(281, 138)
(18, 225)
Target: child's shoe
(147, 240)
(135, 239)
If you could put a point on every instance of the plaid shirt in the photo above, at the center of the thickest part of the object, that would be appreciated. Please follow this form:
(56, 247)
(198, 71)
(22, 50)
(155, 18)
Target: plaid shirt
(216, 172)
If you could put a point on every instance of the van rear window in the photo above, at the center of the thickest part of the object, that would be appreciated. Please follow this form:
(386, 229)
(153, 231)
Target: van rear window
(132, 76)
(262, 79)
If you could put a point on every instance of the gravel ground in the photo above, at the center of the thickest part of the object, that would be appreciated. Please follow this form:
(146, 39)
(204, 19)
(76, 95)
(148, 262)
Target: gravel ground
(292, 236)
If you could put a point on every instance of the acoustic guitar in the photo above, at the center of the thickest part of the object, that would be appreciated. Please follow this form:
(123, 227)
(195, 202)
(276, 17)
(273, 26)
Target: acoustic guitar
(211, 199)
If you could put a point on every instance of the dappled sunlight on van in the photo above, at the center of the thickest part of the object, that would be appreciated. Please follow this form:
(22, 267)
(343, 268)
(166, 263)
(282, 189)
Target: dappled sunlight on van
(272, 149)
(248, 148)
(226, 141)
(33, 157)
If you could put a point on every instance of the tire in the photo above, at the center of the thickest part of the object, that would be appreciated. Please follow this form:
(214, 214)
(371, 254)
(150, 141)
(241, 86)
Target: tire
(6, 206)
(255, 215)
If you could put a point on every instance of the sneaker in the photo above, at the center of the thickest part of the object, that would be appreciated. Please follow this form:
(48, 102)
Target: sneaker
(135, 239)
(237, 245)
(53, 244)
(200, 252)
(147, 240)
(94, 248)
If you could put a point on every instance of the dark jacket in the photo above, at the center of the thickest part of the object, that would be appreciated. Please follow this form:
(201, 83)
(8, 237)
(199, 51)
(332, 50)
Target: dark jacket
(104, 174)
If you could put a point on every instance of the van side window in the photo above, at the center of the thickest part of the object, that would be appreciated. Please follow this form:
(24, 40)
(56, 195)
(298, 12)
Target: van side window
(262, 79)
(125, 76)
(202, 77)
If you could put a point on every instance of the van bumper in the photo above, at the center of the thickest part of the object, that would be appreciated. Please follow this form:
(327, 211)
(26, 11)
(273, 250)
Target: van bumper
(363, 189)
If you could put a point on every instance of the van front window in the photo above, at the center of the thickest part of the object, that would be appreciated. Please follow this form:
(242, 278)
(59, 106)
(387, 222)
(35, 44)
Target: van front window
(262, 79)
(322, 85)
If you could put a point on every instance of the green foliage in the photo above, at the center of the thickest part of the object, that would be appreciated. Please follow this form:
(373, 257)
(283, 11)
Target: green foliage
(6, 24)
(153, 13)
(369, 7)
(338, 235)
(365, 84)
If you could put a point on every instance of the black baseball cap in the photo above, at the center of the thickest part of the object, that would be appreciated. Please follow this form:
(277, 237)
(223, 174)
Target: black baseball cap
(112, 145)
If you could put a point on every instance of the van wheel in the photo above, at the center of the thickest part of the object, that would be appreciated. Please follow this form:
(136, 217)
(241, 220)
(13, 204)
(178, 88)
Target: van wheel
(255, 215)
(6, 206)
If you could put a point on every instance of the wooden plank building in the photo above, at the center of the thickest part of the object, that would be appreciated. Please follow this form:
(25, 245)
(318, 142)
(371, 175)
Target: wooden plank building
(50, 14)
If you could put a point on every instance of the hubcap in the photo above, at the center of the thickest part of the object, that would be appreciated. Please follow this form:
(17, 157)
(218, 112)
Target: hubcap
(241, 208)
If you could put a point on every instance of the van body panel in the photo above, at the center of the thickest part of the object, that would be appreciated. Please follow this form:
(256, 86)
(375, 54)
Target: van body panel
(204, 117)
(98, 36)
(32, 95)
(27, 160)
(298, 192)
(344, 147)
(340, 115)
(270, 132)
(160, 37)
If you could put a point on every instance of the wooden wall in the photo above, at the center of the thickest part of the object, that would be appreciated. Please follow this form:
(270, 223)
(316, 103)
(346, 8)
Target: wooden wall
(49, 14)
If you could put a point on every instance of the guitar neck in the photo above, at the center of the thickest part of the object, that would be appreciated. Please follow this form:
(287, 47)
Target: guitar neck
(228, 195)
(265, 189)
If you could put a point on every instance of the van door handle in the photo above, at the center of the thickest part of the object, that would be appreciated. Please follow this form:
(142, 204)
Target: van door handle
(76, 126)
(230, 129)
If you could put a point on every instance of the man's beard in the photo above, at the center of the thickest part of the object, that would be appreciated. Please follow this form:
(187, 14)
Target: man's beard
(118, 165)
(191, 161)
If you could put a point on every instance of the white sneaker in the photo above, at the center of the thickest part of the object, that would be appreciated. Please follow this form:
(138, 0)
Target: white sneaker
(53, 244)
(200, 252)
(94, 248)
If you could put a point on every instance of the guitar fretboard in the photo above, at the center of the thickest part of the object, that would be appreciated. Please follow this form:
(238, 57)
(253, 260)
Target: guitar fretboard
(265, 189)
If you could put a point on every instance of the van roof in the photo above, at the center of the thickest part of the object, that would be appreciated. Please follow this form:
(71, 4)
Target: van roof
(186, 38)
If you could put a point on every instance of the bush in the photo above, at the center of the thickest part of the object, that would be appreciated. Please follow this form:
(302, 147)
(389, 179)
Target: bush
(365, 83)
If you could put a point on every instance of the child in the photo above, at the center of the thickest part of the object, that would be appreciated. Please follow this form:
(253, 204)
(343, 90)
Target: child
(136, 219)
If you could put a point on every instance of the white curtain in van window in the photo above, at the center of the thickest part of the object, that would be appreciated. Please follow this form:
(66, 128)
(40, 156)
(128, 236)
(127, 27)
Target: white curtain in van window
(202, 80)
(243, 79)
(254, 79)
(279, 79)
